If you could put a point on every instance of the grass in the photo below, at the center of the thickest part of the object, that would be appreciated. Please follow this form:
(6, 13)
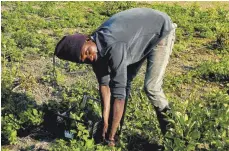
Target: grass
(196, 79)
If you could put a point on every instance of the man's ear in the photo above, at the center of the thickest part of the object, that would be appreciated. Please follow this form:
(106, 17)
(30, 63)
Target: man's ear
(93, 46)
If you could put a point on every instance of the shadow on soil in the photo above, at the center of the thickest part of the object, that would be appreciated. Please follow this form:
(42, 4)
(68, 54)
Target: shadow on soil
(51, 128)
(137, 143)
(16, 104)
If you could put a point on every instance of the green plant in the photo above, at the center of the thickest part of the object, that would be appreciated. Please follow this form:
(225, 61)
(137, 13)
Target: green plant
(10, 125)
(31, 116)
(196, 88)
(194, 127)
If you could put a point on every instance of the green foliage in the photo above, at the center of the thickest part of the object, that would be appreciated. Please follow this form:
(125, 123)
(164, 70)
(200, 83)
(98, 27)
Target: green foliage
(82, 143)
(215, 71)
(31, 116)
(194, 126)
(33, 28)
(222, 37)
(9, 128)
(74, 145)
(18, 109)
(5, 149)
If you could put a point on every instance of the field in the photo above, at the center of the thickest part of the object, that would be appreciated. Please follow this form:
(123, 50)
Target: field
(196, 81)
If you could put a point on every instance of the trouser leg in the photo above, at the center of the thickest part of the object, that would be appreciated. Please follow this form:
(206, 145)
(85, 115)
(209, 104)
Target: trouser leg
(157, 61)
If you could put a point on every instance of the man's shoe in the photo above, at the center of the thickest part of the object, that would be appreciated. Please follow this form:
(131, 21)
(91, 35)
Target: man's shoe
(162, 117)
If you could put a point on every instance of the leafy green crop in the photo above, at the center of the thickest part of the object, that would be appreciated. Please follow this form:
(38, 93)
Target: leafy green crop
(196, 82)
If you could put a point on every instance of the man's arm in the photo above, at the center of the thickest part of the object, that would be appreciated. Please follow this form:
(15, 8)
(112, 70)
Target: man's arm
(118, 109)
(100, 69)
(105, 96)
(118, 76)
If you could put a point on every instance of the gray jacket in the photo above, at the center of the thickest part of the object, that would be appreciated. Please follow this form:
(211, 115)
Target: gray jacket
(124, 39)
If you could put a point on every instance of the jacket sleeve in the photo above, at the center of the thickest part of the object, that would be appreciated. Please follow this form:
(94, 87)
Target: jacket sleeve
(101, 71)
(118, 67)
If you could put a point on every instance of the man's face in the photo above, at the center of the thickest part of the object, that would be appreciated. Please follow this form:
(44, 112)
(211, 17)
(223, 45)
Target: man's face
(88, 52)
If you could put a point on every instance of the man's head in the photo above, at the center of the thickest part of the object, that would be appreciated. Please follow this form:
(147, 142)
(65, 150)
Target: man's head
(76, 48)
(88, 52)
